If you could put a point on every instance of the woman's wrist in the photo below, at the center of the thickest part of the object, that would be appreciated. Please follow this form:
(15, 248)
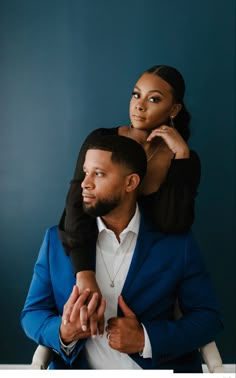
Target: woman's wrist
(86, 279)
(85, 274)
(183, 153)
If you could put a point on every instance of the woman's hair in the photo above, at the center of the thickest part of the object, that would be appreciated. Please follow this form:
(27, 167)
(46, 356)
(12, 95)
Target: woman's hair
(176, 81)
(125, 151)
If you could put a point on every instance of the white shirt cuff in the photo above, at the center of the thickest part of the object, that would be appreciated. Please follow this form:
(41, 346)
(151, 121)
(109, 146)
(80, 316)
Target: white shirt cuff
(147, 350)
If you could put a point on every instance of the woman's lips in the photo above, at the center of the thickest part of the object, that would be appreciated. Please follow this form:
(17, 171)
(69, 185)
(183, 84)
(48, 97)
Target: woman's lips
(138, 117)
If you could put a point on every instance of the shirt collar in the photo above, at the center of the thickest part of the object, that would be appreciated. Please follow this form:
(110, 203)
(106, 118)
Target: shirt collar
(132, 226)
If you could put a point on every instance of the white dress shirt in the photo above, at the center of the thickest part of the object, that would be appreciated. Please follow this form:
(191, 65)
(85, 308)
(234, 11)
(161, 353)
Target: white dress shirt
(117, 257)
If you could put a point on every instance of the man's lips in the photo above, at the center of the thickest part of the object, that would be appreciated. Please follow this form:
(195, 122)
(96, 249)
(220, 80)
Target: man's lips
(87, 196)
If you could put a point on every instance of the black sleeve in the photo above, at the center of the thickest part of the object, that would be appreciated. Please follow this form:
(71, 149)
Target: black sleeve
(172, 208)
(77, 230)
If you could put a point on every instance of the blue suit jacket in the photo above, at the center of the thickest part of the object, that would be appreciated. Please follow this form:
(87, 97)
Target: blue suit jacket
(163, 268)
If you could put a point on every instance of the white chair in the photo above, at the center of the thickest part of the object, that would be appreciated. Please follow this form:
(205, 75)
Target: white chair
(41, 358)
(211, 356)
(210, 352)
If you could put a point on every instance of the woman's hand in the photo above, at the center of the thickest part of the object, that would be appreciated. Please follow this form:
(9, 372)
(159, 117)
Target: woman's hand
(173, 140)
(86, 280)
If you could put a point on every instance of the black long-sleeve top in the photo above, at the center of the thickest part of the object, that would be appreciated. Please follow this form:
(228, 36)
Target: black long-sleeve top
(171, 208)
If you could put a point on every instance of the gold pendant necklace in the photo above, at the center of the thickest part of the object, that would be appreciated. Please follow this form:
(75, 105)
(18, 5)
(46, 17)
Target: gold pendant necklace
(112, 284)
(154, 152)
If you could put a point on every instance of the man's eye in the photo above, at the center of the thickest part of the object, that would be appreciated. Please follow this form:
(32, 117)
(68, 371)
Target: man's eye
(135, 95)
(154, 99)
(99, 174)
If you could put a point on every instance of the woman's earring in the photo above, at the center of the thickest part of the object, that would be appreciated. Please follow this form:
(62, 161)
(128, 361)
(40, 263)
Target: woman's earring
(172, 121)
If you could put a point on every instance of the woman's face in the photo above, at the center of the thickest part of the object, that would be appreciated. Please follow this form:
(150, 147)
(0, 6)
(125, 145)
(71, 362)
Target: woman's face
(152, 102)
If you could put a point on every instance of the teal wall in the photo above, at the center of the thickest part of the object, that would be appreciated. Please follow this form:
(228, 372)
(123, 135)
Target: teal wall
(67, 67)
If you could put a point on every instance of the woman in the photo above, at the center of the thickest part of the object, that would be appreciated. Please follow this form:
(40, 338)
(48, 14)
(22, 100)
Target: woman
(160, 122)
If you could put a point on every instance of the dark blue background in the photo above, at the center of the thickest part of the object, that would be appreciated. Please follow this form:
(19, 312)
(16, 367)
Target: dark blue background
(67, 67)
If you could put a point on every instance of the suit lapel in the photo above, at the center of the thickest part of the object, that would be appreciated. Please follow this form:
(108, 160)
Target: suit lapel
(145, 239)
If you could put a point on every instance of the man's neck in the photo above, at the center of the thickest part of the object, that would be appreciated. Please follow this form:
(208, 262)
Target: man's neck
(118, 219)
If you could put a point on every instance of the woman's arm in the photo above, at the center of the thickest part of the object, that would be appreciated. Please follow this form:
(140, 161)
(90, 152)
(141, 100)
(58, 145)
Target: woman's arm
(172, 206)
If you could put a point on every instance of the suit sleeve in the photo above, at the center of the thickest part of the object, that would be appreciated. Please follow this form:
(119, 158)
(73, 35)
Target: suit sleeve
(40, 317)
(201, 320)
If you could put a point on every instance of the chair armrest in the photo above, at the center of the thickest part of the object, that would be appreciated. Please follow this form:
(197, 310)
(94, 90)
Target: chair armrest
(41, 358)
(210, 352)
(212, 358)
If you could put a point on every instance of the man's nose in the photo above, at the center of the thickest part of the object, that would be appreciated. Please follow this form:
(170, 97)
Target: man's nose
(87, 182)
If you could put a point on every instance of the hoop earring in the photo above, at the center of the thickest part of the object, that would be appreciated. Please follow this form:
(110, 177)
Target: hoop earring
(172, 121)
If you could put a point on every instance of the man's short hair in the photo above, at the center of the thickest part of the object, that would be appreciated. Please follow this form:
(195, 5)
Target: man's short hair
(125, 151)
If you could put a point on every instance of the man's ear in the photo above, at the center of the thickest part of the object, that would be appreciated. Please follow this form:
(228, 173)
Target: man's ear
(132, 182)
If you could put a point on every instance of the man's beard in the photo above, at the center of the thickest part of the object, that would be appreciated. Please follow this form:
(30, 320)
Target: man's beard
(102, 207)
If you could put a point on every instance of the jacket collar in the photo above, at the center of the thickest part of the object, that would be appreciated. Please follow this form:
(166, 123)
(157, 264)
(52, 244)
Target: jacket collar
(147, 234)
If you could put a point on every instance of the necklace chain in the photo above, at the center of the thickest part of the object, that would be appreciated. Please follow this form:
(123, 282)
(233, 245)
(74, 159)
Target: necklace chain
(112, 284)
(154, 152)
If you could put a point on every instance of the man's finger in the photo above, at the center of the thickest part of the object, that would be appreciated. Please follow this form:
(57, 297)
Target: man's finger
(101, 319)
(69, 305)
(74, 296)
(125, 309)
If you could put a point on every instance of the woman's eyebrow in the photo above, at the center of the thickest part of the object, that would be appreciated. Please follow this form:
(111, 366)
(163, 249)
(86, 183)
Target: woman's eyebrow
(151, 91)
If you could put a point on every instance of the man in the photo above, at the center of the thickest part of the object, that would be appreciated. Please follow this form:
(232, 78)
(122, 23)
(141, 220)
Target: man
(141, 273)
